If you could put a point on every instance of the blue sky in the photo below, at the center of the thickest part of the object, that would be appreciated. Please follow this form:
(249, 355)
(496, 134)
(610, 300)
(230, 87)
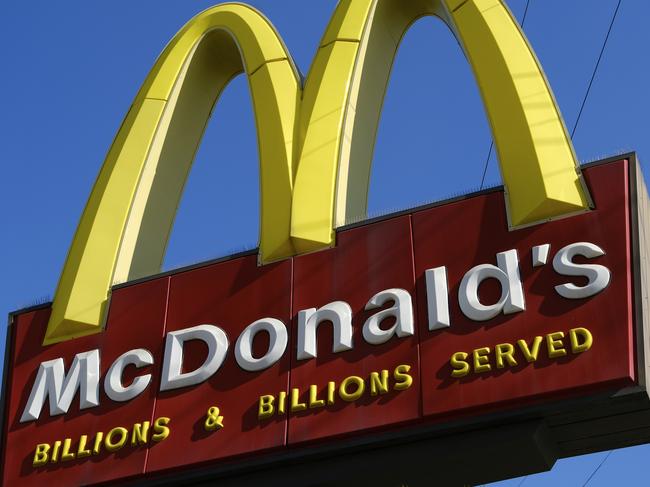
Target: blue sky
(71, 69)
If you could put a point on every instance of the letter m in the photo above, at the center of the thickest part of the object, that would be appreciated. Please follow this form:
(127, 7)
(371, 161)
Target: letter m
(52, 382)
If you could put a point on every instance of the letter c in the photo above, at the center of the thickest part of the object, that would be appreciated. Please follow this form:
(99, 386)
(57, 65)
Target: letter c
(113, 381)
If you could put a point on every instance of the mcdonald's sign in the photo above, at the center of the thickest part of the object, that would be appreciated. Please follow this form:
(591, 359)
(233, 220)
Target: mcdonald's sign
(464, 341)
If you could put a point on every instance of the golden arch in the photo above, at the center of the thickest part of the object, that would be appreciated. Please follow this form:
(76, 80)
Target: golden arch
(315, 142)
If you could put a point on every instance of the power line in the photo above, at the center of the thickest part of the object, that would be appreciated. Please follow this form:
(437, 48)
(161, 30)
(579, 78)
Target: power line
(599, 465)
(486, 164)
(487, 161)
(593, 75)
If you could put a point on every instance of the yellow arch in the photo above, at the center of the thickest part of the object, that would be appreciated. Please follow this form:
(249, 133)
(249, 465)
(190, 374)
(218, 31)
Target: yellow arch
(315, 143)
(124, 228)
(538, 165)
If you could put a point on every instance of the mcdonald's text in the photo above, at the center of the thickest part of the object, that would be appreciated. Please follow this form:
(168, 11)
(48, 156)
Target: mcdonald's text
(59, 387)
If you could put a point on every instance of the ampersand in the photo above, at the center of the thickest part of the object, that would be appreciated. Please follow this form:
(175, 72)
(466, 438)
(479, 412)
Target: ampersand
(213, 420)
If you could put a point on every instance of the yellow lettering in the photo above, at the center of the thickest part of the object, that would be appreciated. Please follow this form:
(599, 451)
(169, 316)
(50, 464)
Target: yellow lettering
(82, 452)
(331, 388)
(296, 405)
(140, 434)
(40, 455)
(121, 433)
(378, 384)
(530, 353)
(282, 402)
(265, 408)
(555, 345)
(360, 386)
(115, 439)
(98, 443)
(481, 360)
(55, 452)
(314, 402)
(457, 361)
(66, 454)
(403, 379)
(578, 346)
(161, 430)
(504, 350)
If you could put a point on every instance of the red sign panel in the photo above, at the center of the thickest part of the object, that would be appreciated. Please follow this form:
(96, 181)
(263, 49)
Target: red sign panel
(365, 261)
(136, 320)
(231, 295)
(438, 314)
(463, 234)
